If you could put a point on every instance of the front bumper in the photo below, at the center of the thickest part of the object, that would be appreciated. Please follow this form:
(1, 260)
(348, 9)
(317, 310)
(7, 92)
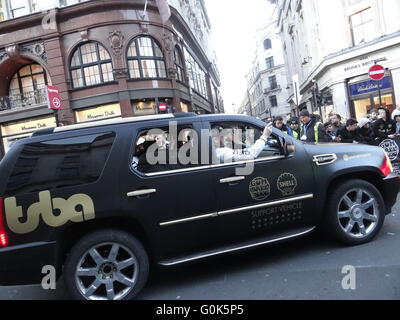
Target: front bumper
(22, 264)
(391, 189)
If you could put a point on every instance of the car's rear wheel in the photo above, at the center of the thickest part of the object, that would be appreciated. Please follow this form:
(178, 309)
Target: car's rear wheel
(106, 265)
(355, 212)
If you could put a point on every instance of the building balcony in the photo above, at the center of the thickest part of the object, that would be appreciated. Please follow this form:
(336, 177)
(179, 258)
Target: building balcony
(272, 89)
(24, 100)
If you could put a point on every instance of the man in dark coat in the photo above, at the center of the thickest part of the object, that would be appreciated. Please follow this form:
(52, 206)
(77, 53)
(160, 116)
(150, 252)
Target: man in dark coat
(384, 127)
(348, 133)
(311, 129)
(364, 131)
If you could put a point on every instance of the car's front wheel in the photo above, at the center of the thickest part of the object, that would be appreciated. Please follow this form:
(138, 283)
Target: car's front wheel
(106, 265)
(355, 212)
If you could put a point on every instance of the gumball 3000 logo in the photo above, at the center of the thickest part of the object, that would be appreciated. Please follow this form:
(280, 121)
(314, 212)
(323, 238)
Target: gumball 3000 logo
(391, 148)
(259, 188)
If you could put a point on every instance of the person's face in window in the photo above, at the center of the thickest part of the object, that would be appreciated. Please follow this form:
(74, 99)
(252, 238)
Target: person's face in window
(161, 141)
(250, 135)
(279, 124)
(216, 138)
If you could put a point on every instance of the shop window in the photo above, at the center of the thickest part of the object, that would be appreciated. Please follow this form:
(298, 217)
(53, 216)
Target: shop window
(179, 65)
(144, 108)
(145, 59)
(60, 163)
(91, 65)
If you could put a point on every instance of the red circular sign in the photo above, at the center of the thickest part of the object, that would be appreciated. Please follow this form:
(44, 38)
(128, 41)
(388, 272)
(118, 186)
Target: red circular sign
(163, 107)
(377, 72)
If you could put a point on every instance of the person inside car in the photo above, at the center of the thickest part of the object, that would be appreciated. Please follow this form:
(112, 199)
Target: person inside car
(225, 152)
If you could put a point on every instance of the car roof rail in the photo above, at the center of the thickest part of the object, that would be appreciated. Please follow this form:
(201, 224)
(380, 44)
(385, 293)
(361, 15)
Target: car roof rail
(42, 132)
(185, 115)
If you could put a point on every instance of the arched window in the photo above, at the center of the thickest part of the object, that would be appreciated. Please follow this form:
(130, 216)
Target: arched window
(267, 44)
(179, 65)
(90, 65)
(28, 82)
(145, 59)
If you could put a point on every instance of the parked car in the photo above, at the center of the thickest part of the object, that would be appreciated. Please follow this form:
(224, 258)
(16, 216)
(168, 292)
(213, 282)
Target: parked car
(87, 200)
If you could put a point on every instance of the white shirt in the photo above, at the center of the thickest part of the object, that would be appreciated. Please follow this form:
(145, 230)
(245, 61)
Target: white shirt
(226, 155)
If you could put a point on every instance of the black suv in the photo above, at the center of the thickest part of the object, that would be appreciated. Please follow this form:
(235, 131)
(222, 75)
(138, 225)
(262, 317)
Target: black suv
(87, 200)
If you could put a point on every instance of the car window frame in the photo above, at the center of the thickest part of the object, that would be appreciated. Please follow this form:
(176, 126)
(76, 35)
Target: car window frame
(208, 125)
(138, 130)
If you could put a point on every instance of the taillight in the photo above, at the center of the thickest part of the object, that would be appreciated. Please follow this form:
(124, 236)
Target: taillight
(386, 167)
(3, 234)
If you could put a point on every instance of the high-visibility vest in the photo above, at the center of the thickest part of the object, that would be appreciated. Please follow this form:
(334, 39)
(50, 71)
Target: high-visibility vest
(316, 135)
(294, 133)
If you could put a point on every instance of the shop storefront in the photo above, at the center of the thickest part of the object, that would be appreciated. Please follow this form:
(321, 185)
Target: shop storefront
(146, 107)
(11, 132)
(98, 113)
(364, 95)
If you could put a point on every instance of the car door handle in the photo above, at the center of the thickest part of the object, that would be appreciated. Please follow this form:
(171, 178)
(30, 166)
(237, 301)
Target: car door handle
(140, 193)
(232, 179)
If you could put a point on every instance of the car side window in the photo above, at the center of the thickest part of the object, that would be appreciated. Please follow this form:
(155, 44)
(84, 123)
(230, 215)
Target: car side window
(238, 141)
(60, 163)
(162, 149)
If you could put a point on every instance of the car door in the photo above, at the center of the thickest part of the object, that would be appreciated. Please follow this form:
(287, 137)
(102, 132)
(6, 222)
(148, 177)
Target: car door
(176, 206)
(267, 195)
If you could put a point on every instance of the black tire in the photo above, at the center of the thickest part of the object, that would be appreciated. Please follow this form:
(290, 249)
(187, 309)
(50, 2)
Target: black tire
(126, 246)
(335, 227)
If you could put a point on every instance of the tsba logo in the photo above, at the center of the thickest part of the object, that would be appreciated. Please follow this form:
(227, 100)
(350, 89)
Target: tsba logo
(77, 208)
(391, 148)
(259, 188)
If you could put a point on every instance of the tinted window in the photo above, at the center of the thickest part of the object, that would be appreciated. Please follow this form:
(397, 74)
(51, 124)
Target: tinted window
(163, 149)
(240, 137)
(59, 163)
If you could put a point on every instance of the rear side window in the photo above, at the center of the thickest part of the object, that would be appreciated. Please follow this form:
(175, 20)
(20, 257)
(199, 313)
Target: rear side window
(60, 163)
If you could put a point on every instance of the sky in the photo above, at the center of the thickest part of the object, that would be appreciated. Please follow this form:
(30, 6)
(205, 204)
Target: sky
(233, 26)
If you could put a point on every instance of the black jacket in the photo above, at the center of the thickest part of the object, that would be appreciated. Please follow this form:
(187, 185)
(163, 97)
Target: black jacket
(365, 135)
(322, 136)
(348, 136)
(382, 129)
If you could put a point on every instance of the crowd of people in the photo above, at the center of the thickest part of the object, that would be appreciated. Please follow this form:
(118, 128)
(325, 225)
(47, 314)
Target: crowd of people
(375, 127)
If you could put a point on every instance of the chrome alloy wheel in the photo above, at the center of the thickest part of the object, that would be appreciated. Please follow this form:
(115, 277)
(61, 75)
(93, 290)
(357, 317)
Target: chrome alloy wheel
(107, 271)
(358, 213)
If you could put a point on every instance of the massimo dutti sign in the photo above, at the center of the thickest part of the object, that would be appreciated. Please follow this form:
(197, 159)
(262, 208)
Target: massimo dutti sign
(98, 113)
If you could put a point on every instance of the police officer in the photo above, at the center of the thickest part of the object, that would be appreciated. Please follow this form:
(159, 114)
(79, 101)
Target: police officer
(311, 129)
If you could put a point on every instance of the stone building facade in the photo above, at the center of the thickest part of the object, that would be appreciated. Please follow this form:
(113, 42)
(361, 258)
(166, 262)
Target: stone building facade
(107, 58)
